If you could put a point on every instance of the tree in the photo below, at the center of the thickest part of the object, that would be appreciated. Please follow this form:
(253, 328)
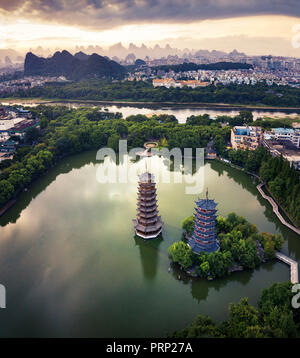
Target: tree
(242, 316)
(278, 187)
(279, 316)
(270, 243)
(188, 224)
(219, 144)
(280, 323)
(274, 318)
(203, 269)
(181, 253)
(222, 225)
(113, 142)
(6, 191)
(202, 327)
(279, 294)
(31, 135)
(217, 265)
(120, 128)
(246, 116)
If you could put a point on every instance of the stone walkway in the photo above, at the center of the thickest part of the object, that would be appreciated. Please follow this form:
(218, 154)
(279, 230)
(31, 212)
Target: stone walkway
(275, 209)
(293, 266)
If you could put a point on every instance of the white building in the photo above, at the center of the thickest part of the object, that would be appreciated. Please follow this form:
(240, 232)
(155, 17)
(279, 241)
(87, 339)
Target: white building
(292, 135)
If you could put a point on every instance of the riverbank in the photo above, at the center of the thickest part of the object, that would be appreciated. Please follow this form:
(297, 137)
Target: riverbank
(7, 206)
(194, 105)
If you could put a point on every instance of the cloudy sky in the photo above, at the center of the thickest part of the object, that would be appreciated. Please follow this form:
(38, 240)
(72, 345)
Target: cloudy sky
(251, 26)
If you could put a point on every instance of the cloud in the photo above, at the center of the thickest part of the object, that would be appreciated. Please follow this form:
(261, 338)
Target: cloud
(258, 45)
(104, 14)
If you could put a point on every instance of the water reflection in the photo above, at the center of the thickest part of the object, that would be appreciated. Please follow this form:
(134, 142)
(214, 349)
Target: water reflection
(200, 288)
(181, 112)
(149, 252)
(63, 167)
(72, 267)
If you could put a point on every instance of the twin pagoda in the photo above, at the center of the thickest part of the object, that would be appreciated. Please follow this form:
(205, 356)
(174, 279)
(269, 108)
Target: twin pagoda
(147, 224)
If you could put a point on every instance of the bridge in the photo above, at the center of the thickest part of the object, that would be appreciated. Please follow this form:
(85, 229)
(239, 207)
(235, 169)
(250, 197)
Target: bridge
(293, 266)
(275, 209)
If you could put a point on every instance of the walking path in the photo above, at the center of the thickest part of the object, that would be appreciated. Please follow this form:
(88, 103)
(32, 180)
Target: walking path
(293, 265)
(275, 209)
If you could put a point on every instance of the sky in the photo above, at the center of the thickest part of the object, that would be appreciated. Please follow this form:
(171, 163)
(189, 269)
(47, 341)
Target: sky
(252, 26)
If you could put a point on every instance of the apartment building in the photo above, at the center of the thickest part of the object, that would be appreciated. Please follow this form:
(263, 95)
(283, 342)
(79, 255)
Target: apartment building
(244, 137)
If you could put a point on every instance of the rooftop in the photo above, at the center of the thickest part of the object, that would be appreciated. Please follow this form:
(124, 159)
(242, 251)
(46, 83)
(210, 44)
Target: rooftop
(283, 130)
(242, 130)
(206, 204)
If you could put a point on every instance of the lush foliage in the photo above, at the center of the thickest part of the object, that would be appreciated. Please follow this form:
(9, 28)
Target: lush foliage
(282, 179)
(240, 245)
(68, 131)
(259, 94)
(181, 253)
(188, 225)
(274, 318)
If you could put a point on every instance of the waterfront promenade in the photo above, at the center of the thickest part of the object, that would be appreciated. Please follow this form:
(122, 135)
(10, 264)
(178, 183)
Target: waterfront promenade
(292, 263)
(276, 209)
(293, 266)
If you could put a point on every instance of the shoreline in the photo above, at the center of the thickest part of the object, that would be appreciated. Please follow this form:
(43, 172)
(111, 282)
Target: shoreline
(296, 228)
(195, 105)
(276, 207)
(7, 206)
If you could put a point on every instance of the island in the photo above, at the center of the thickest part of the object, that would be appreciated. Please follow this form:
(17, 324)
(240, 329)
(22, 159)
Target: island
(239, 247)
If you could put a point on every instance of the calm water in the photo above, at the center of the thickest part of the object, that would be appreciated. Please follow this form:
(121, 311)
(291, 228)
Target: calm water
(180, 112)
(72, 267)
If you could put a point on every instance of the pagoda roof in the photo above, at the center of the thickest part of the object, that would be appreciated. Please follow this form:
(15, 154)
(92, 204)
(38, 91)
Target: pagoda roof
(147, 198)
(206, 204)
(149, 228)
(148, 210)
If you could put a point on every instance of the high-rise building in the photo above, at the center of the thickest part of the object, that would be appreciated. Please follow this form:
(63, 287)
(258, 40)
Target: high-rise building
(147, 224)
(204, 237)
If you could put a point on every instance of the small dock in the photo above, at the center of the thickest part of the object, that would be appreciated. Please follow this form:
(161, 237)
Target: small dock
(275, 209)
(293, 266)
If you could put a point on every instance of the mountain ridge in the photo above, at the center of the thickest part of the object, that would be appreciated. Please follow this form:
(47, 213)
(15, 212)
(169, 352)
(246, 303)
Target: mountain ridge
(63, 63)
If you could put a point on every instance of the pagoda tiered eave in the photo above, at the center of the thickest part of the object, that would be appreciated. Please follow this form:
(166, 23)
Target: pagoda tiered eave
(147, 224)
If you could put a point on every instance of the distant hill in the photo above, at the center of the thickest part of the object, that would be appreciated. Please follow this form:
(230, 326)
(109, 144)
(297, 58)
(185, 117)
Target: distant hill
(190, 66)
(73, 67)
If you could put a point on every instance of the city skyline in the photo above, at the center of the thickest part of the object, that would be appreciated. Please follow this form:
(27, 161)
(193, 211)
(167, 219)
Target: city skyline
(249, 27)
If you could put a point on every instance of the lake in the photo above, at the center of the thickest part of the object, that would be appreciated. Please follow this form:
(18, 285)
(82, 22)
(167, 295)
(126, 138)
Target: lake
(73, 268)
